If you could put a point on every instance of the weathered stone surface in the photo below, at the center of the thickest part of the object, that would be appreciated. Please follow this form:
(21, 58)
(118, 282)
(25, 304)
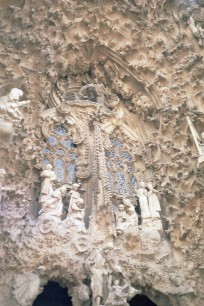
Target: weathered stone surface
(110, 93)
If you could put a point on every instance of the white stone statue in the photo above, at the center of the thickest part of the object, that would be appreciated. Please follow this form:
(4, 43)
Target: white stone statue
(121, 219)
(53, 205)
(48, 176)
(119, 295)
(143, 200)
(9, 105)
(74, 197)
(132, 218)
(98, 270)
(154, 204)
(76, 215)
(10, 113)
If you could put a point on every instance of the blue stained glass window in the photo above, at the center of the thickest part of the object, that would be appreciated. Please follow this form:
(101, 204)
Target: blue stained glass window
(110, 177)
(73, 155)
(121, 182)
(126, 155)
(116, 143)
(59, 169)
(131, 167)
(72, 173)
(118, 165)
(46, 151)
(46, 161)
(108, 164)
(60, 130)
(110, 153)
(133, 184)
(68, 143)
(60, 152)
(52, 141)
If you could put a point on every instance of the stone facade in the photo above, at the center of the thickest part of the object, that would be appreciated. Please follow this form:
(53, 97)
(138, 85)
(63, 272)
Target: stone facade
(102, 150)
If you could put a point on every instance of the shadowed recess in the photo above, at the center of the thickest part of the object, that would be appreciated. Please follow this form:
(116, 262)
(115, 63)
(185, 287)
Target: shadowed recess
(53, 295)
(141, 300)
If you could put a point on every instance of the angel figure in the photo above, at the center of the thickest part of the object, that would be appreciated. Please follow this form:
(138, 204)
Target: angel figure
(9, 113)
(9, 105)
(154, 204)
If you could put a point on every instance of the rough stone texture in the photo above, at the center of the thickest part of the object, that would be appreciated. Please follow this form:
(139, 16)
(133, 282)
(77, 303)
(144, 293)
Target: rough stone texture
(112, 89)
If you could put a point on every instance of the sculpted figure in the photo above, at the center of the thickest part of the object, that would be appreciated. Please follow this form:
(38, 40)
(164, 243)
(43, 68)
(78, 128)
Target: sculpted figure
(48, 176)
(9, 105)
(119, 295)
(98, 271)
(121, 219)
(132, 219)
(154, 205)
(53, 205)
(142, 194)
(74, 197)
(9, 112)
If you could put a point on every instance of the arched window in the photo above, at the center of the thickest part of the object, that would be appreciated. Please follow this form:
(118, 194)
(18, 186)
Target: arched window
(60, 151)
(121, 169)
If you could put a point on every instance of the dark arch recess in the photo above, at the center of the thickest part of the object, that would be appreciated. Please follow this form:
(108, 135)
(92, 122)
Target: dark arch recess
(53, 295)
(141, 300)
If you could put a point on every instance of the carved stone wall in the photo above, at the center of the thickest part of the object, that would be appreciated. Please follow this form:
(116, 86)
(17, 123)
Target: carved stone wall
(102, 150)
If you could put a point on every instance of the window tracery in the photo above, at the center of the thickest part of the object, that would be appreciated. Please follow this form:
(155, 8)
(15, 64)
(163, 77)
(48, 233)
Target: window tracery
(60, 151)
(121, 169)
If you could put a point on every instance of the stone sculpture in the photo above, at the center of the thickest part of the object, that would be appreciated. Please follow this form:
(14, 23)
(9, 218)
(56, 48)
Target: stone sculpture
(74, 198)
(121, 219)
(154, 204)
(10, 112)
(127, 220)
(98, 270)
(48, 177)
(53, 205)
(143, 201)
(111, 83)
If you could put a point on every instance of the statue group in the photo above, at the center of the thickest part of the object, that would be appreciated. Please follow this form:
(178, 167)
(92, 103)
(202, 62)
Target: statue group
(51, 200)
(109, 285)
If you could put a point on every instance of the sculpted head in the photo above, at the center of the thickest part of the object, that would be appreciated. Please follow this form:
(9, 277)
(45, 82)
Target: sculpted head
(63, 189)
(116, 282)
(142, 184)
(121, 207)
(150, 186)
(107, 248)
(75, 186)
(127, 202)
(49, 167)
(15, 94)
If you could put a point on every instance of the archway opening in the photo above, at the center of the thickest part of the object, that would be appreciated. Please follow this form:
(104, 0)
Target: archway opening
(53, 295)
(141, 300)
